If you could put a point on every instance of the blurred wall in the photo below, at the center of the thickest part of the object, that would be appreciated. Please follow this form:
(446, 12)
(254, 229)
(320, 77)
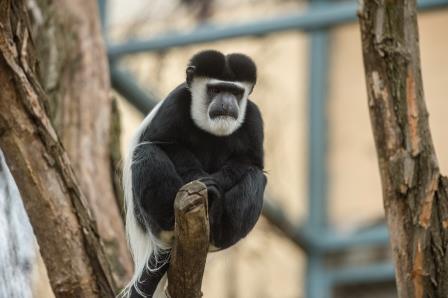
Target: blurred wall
(266, 264)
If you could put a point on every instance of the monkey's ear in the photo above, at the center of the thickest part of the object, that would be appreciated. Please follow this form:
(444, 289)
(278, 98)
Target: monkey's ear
(190, 74)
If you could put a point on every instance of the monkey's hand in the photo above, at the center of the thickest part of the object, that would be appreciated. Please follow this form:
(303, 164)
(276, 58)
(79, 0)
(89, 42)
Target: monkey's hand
(213, 189)
(215, 201)
(187, 165)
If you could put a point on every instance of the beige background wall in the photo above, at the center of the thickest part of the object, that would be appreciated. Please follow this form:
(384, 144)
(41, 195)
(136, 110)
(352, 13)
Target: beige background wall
(266, 264)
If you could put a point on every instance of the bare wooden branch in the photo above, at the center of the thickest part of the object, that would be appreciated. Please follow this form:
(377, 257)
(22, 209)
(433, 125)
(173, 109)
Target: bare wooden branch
(414, 192)
(65, 230)
(191, 242)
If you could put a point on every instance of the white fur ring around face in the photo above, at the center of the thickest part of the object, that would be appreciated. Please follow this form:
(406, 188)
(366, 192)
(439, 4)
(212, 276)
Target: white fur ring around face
(219, 126)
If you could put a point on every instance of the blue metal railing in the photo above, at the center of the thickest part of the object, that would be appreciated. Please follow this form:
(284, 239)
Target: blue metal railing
(125, 84)
(314, 237)
(317, 284)
(314, 18)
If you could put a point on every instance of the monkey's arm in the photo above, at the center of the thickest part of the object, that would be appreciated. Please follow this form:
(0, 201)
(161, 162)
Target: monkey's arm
(231, 173)
(155, 183)
(235, 213)
(187, 165)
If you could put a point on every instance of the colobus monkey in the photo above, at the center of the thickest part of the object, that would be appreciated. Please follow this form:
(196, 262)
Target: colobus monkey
(206, 129)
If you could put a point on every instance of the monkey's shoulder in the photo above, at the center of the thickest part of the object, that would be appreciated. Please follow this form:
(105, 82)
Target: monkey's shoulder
(172, 117)
(253, 115)
(252, 127)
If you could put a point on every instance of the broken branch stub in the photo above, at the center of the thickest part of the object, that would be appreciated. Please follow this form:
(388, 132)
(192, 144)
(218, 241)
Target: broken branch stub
(191, 242)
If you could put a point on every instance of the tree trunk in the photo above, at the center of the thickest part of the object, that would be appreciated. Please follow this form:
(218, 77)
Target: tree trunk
(414, 192)
(74, 73)
(58, 209)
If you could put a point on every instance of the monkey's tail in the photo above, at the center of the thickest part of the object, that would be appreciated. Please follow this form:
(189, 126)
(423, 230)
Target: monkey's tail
(143, 244)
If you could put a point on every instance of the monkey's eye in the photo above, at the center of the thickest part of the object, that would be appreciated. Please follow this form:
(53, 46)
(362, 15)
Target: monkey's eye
(213, 90)
(238, 93)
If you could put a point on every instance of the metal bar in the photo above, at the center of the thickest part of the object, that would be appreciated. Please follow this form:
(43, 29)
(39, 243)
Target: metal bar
(431, 4)
(316, 282)
(333, 241)
(323, 242)
(125, 85)
(275, 216)
(317, 132)
(317, 285)
(102, 6)
(368, 273)
(311, 19)
(314, 18)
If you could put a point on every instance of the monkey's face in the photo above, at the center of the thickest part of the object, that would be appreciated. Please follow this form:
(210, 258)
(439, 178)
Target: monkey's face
(219, 107)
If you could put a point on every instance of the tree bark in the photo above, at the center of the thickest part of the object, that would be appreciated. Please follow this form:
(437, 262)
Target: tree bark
(58, 210)
(414, 192)
(19, 254)
(74, 73)
(191, 242)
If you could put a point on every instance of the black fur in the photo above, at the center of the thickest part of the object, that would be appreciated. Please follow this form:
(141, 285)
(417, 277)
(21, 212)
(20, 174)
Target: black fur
(232, 67)
(149, 280)
(175, 151)
(179, 152)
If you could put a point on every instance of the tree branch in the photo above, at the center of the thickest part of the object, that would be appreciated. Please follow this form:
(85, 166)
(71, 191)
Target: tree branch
(414, 192)
(191, 243)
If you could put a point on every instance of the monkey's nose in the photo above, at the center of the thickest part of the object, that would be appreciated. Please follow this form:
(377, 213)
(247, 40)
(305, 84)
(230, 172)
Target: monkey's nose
(226, 107)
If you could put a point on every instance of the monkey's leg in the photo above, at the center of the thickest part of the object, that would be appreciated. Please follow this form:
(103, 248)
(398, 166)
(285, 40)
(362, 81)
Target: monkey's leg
(149, 279)
(234, 214)
(155, 183)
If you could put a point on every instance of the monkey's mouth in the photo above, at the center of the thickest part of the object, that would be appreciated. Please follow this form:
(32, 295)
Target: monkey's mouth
(222, 114)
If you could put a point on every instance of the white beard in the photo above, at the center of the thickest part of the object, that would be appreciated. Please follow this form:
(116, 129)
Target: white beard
(219, 126)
